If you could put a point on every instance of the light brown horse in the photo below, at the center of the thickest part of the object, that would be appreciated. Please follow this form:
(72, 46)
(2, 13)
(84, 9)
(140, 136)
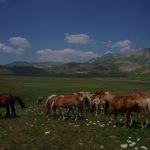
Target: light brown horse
(8, 100)
(76, 102)
(98, 103)
(126, 105)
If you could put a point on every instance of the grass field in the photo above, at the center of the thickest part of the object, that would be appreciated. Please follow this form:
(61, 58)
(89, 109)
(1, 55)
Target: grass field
(32, 131)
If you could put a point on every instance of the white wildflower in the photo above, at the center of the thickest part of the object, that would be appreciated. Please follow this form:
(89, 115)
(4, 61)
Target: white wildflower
(101, 147)
(129, 141)
(124, 145)
(132, 144)
(81, 143)
(143, 147)
(47, 132)
(94, 123)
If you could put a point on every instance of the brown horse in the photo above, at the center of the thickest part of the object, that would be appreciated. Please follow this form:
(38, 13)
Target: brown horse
(8, 101)
(39, 100)
(76, 103)
(126, 105)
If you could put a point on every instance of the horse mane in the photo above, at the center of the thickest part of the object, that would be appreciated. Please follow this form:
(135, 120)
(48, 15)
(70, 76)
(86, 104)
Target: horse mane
(49, 98)
(99, 92)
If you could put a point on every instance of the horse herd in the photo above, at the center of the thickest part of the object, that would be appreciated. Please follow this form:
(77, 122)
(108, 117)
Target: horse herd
(101, 103)
(77, 104)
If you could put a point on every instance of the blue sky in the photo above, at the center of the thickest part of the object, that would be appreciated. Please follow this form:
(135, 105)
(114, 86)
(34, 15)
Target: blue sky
(71, 30)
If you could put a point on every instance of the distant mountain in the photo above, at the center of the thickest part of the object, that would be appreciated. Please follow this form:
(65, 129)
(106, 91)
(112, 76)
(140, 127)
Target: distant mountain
(34, 64)
(18, 63)
(110, 64)
(125, 63)
(141, 56)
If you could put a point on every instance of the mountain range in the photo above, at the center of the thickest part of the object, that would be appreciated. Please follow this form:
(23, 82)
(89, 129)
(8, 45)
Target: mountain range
(112, 64)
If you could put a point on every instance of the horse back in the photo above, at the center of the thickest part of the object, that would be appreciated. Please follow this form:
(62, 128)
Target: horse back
(123, 103)
(67, 100)
(6, 99)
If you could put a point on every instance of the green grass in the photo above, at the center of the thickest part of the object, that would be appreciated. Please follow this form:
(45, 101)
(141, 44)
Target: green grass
(28, 131)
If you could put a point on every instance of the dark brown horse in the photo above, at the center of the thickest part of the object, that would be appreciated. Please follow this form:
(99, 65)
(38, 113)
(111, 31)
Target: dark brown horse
(8, 101)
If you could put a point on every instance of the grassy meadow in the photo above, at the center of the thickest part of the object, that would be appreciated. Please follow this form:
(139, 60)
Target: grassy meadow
(31, 130)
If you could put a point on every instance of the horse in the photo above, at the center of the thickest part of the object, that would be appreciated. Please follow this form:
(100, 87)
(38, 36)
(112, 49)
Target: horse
(98, 103)
(39, 100)
(126, 105)
(76, 103)
(8, 100)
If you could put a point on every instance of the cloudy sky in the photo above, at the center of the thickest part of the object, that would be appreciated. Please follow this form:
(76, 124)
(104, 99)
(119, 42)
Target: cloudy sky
(71, 30)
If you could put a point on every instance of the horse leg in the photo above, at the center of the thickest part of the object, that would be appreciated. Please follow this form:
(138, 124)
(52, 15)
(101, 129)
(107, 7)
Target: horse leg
(7, 112)
(101, 109)
(62, 113)
(53, 112)
(139, 118)
(82, 110)
(110, 113)
(96, 107)
(76, 110)
(73, 112)
(69, 110)
(128, 118)
(79, 112)
(115, 118)
(13, 111)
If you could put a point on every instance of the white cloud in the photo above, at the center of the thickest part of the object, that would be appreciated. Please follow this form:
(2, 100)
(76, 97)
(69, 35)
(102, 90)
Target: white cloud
(78, 38)
(8, 49)
(1, 45)
(107, 43)
(123, 45)
(19, 41)
(16, 45)
(65, 55)
(108, 52)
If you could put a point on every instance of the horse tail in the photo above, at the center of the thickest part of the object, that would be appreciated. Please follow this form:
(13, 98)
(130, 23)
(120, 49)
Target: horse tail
(52, 103)
(88, 101)
(20, 101)
(148, 103)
